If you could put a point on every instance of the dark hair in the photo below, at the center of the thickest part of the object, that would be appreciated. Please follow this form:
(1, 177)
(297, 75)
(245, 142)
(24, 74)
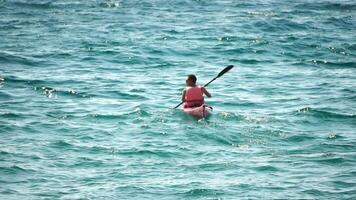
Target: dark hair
(192, 77)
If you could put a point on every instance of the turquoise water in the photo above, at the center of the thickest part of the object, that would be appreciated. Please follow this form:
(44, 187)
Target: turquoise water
(87, 87)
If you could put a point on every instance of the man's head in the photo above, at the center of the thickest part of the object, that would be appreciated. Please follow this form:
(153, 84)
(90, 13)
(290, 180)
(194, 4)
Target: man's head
(191, 80)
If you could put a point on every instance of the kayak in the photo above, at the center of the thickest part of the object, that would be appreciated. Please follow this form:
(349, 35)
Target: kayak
(201, 111)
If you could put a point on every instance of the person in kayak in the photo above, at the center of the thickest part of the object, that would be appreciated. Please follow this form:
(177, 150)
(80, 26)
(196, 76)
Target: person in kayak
(193, 94)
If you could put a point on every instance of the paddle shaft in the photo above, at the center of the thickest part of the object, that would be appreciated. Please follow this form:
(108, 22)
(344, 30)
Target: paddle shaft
(210, 81)
(226, 69)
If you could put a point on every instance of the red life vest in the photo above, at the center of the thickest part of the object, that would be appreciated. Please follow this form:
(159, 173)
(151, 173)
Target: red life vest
(193, 97)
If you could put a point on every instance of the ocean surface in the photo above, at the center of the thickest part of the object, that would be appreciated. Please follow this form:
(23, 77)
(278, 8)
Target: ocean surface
(87, 89)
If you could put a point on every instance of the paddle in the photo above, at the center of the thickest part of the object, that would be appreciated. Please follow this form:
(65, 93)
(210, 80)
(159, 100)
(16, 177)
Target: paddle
(220, 74)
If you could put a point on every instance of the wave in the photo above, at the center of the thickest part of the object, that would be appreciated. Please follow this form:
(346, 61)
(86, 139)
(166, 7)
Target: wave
(146, 152)
(125, 95)
(61, 144)
(341, 146)
(319, 113)
(262, 13)
(47, 5)
(285, 24)
(210, 166)
(8, 27)
(330, 6)
(86, 162)
(8, 58)
(251, 61)
(202, 192)
(266, 168)
(351, 47)
(132, 113)
(332, 161)
(340, 64)
(341, 22)
(279, 25)
(54, 54)
(111, 4)
(300, 138)
(31, 4)
(49, 92)
(40, 85)
(107, 116)
(4, 95)
(11, 170)
(126, 115)
(14, 79)
(10, 115)
(132, 189)
(230, 116)
(239, 103)
(2, 152)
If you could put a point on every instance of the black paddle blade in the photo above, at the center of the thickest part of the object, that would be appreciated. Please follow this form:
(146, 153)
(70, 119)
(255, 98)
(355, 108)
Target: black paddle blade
(225, 70)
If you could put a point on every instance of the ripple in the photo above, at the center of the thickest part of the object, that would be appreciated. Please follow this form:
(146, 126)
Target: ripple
(14, 170)
(318, 113)
(301, 138)
(267, 168)
(86, 90)
(85, 162)
(9, 58)
(337, 6)
(143, 153)
(61, 144)
(203, 192)
(32, 5)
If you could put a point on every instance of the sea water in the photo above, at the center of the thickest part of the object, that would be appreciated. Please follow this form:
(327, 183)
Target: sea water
(87, 89)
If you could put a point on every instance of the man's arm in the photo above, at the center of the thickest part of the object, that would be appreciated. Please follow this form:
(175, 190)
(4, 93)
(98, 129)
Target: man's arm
(183, 96)
(206, 92)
